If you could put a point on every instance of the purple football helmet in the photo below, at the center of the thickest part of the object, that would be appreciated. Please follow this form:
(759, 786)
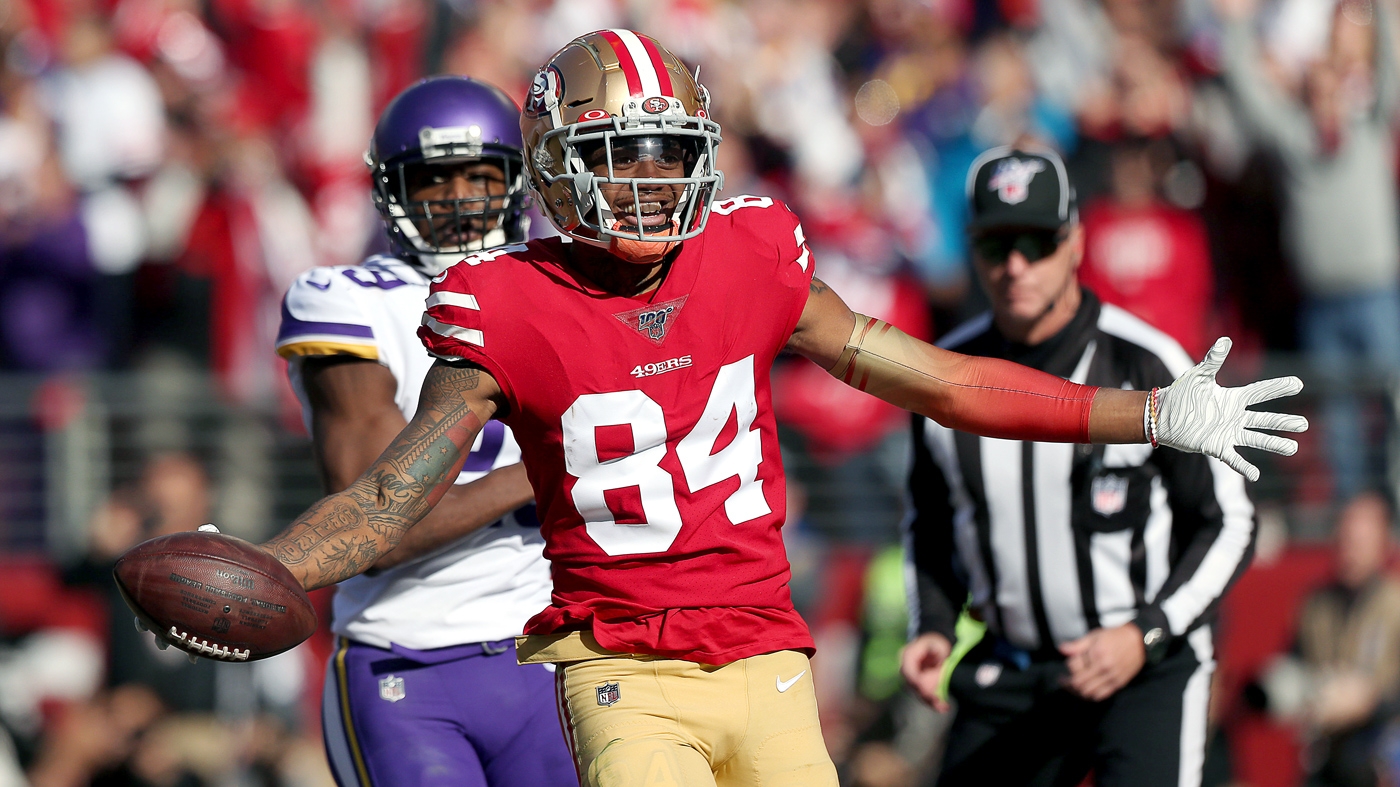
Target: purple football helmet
(432, 133)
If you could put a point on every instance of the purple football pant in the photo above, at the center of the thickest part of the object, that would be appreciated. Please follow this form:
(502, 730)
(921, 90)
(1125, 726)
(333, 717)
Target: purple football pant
(475, 721)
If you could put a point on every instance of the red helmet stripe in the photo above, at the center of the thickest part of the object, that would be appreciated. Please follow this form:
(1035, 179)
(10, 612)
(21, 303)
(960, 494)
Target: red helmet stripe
(624, 59)
(662, 75)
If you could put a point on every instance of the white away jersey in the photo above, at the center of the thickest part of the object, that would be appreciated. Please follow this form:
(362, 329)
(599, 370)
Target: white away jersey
(478, 589)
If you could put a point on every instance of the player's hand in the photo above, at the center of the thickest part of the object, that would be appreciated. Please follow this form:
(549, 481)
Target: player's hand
(1103, 661)
(1195, 414)
(921, 663)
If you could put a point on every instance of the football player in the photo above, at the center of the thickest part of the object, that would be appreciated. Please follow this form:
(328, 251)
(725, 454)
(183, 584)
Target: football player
(424, 687)
(632, 360)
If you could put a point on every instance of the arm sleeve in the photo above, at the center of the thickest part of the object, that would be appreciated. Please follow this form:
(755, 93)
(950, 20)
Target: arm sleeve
(936, 592)
(321, 316)
(1270, 115)
(996, 398)
(1212, 538)
(984, 396)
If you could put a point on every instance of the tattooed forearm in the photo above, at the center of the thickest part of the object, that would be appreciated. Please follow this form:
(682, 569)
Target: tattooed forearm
(325, 520)
(343, 534)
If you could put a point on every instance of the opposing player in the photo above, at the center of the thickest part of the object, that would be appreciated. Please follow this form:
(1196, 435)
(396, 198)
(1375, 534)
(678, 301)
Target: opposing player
(424, 688)
(632, 361)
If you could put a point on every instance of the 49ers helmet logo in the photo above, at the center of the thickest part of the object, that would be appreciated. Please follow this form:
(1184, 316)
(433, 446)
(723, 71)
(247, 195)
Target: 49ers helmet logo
(656, 105)
(545, 92)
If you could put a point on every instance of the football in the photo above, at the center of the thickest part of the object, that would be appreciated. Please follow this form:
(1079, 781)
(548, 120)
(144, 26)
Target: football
(215, 596)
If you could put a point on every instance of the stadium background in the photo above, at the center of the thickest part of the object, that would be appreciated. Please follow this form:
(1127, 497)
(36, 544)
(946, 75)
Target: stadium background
(167, 167)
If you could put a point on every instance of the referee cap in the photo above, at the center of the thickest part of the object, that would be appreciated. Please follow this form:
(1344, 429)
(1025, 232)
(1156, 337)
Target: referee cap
(1013, 188)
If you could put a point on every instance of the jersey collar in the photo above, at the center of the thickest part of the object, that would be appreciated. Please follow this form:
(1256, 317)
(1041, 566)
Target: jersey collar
(678, 282)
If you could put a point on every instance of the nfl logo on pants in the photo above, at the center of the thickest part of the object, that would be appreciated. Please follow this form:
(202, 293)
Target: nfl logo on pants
(608, 694)
(391, 688)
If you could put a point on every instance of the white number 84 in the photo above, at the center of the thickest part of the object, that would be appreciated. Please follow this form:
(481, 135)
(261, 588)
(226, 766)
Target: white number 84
(733, 392)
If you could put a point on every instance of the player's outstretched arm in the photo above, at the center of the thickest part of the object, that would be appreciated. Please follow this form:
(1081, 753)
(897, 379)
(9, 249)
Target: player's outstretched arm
(354, 417)
(345, 533)
(1001, 399)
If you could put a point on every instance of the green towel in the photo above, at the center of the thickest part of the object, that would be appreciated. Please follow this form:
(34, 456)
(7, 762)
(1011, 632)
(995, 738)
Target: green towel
(970, 632)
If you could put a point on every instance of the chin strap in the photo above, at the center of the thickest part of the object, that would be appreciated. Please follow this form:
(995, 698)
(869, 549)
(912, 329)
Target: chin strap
(985, 396)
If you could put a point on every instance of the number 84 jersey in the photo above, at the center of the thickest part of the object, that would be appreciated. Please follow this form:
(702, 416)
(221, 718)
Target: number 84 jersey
(647, 429)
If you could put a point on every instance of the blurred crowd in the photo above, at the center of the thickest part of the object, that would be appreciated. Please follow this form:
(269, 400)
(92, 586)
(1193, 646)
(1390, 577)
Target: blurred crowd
(168, 167)
(90, 700)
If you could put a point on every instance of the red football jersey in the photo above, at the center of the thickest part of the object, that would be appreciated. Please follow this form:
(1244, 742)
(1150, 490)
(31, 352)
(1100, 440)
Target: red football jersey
(647, 429)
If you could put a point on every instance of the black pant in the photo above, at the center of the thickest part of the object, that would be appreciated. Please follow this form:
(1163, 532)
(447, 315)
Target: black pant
(1020, 727)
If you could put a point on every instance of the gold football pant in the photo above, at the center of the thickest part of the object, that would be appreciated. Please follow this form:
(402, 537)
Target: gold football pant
(639, 720)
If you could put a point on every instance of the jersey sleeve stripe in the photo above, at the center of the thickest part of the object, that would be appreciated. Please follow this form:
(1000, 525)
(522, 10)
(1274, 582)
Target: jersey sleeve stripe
(293, 328)
(1222, 560)
(461, 299)
(468, 335)
(316, 346)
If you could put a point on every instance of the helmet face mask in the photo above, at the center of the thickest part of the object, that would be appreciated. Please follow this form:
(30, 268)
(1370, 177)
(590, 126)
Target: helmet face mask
(609, 191)
(448, 171)
(457, 204)
(621, 149)
(640, 183)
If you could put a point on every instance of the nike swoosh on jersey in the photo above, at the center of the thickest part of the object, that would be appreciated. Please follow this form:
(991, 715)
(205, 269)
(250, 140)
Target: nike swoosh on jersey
(784, 685)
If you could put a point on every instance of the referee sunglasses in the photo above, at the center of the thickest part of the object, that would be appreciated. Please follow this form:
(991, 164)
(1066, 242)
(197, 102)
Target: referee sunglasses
(995, 247)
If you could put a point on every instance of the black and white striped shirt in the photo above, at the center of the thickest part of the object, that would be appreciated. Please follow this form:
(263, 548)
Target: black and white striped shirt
(1054, 540)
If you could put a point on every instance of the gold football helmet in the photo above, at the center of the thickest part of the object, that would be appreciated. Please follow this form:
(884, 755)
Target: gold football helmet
(610, 97)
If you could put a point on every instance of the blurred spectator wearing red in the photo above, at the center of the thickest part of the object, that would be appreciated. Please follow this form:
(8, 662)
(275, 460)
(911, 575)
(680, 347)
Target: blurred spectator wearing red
(1146, 255)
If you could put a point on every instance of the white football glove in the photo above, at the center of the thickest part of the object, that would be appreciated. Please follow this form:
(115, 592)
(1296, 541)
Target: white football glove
(1197, 415)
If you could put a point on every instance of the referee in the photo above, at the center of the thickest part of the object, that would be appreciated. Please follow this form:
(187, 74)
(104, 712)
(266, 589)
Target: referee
(1097, 569)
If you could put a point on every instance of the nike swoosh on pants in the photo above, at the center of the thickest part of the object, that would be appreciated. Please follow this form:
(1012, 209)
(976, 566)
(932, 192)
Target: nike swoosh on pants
(784, 685)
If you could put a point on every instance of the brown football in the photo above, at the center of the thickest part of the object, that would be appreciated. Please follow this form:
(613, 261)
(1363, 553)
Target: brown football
(215, 596)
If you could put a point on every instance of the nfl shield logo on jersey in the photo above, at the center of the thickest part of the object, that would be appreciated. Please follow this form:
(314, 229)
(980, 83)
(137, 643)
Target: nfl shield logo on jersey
(1108, 494)
(1012, 179)
(391, 688)
(608, 694)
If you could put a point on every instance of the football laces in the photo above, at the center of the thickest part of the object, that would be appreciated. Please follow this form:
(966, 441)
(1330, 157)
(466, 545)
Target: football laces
(213, 650)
